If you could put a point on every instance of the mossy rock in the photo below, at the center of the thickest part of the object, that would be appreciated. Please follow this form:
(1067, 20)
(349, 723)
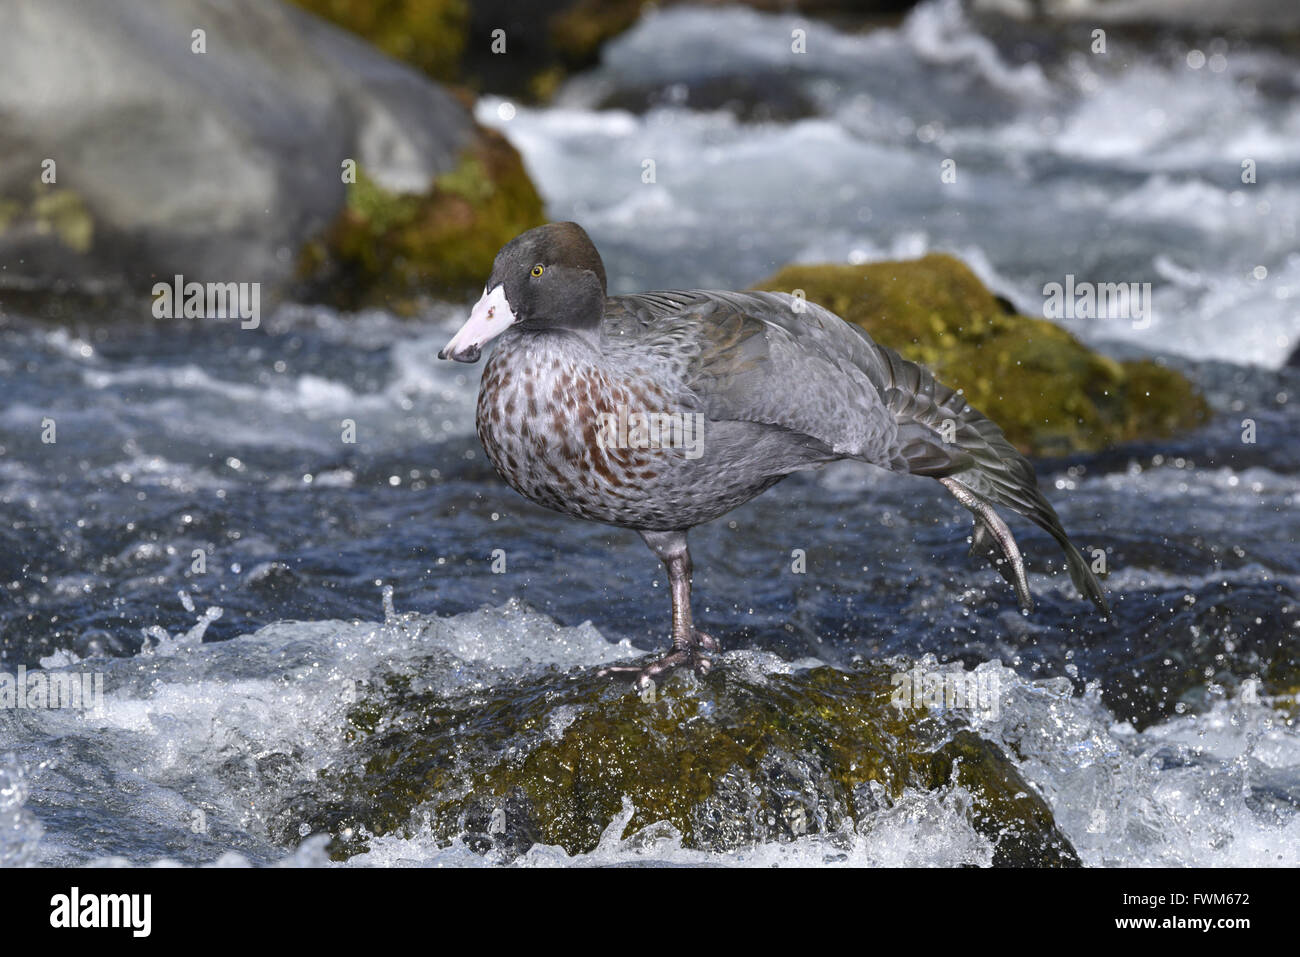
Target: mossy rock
(580, 30)
(547, 39)
(390, 249)
(428, 34)
(50, 211)
(1050, 394)
(729, 761)
(1287, 704)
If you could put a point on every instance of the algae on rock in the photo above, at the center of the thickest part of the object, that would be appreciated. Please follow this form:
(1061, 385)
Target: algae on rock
(1048, 392)
(52, 210)
(390, 248)
(728, 762)
(428, 34)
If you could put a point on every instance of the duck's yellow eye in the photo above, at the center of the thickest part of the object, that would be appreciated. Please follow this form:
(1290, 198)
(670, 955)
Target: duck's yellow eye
(537, 270)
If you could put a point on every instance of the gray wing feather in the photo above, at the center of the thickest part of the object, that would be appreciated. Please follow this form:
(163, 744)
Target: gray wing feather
(766, 358)
(772, 359)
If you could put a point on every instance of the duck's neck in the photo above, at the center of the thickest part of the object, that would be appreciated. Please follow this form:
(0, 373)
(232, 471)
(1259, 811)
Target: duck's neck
(580, 344)
(578, 330)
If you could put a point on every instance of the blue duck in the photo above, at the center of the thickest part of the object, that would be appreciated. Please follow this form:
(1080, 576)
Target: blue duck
(662, 410)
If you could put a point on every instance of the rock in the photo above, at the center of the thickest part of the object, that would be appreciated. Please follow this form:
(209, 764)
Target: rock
(1239, 16)
(549, 39)
(389, 249)
(735, 759)
(582, 27)
(428, 34)
(1050, 394)
(217, 155)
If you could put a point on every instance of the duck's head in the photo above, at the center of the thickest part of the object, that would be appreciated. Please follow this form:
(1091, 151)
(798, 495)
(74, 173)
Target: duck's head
(548, 277)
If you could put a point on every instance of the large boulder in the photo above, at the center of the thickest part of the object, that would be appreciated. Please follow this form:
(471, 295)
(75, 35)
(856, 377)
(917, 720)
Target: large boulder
(215, 154)
(1050, 393)
(389, 249)
(743, 757)
(428, 34)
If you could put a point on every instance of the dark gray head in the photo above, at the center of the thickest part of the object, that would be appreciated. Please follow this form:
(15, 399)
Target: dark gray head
(548, 277)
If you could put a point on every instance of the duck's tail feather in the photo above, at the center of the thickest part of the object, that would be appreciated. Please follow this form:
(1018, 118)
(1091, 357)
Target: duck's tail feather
(941, 436)
(992, 539)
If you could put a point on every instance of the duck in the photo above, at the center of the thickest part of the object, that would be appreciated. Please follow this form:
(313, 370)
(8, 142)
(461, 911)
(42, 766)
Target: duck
(661, 411)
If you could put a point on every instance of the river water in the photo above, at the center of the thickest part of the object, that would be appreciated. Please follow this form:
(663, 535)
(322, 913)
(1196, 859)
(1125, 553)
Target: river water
(1167, 736)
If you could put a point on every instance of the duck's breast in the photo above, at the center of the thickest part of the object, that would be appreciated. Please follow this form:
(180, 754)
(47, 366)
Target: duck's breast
(576, 437)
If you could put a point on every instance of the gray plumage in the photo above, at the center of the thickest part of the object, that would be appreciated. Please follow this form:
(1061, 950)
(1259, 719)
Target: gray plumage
(778, 385)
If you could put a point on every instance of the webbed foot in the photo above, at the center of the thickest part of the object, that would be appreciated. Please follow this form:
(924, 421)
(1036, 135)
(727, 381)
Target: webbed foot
(696, 655)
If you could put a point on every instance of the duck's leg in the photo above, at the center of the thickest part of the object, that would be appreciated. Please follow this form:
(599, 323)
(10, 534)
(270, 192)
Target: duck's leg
(689, 645)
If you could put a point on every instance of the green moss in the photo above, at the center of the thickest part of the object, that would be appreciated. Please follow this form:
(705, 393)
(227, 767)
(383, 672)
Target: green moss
(64, 213)
(1287, 704)
(579, 31)
(1159, 400)
(10, 210)
(389, 248)
(728, 762)
(51, 210)
(428, 34)
(1004, 808)
(1048, 392)
(575, 35)
(545, 83)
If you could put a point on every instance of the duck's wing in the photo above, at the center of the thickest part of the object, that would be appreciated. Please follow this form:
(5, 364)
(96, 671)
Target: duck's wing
(784, 362)
(763, 358)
